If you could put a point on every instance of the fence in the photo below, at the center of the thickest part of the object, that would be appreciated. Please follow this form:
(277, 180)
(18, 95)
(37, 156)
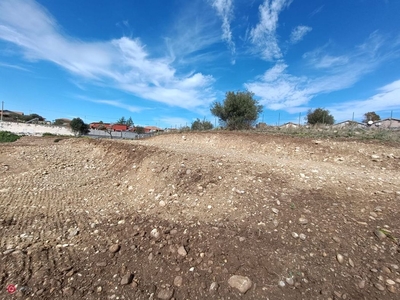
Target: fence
(332, 131)
(94, 133)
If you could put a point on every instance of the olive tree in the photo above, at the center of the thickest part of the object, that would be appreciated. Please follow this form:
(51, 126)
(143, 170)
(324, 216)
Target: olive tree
(371, 116)
(202, 125)
(140, 130)
(319, 116)
(239, 110)
(78, 126)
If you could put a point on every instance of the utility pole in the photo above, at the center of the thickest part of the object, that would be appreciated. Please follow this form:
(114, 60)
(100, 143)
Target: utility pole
(2, 109)
(279, 118)
(299, 118)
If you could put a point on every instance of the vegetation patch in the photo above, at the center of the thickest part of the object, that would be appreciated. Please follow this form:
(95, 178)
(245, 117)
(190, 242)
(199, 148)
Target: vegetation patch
(8, 137)
(48, 134)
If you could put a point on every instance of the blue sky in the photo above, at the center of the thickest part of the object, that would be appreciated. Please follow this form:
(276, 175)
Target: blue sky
(164, 62)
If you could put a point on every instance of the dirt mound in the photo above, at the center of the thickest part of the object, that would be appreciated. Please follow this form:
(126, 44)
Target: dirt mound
(176, 216)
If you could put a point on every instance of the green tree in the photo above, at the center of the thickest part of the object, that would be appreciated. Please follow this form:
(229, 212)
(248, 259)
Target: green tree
(319, 116)
(121, 121)
(202, 125)
(184, 128)
(79, 127)
(238, 111)
(58, 122)
(139, 130)
(371, 116)
(30, 117)
(129, 122)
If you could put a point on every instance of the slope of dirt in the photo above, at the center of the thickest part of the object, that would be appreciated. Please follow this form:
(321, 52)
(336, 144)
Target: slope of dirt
(176, 216)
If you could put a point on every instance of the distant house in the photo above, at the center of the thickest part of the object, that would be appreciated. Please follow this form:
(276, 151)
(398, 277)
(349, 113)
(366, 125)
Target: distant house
(261, 125)
(150, 129)
(289, 125)
(171, 130)
(387, 123)
(119, 127)
(9, 115)
(349, 124)
(99, 125)
(113, 127)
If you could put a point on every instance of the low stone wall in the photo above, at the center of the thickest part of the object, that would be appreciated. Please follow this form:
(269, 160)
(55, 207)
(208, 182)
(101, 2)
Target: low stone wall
(114, 134)
(34, 129)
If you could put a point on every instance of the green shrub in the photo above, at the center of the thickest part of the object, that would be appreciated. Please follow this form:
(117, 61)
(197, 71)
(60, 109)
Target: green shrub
(8, 137)
(48, 134)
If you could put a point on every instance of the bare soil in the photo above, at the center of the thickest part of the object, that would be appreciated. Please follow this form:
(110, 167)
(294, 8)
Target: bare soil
(175, 216)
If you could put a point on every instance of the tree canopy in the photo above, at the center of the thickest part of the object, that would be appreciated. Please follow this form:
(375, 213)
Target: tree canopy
(79, 127)
(29, 117)
(129, 122)
(371, 116)
(202, 125)
(59, 122)
(139, 130)
(238, 111)
(319, 116)
(121, 120)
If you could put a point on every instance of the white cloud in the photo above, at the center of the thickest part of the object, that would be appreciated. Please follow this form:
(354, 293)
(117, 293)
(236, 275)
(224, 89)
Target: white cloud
(224, 9)
(298, 33)
(122, 63)
(116, 103)
(194, 30)
(278, 89)
(263, 36)
(387, 98)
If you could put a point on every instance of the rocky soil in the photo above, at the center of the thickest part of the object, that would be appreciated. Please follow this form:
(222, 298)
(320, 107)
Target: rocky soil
(199, 216)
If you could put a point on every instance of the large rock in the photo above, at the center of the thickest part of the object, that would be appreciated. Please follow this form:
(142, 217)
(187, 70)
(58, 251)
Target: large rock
(182, 251)
(242, 283)
(165, 294)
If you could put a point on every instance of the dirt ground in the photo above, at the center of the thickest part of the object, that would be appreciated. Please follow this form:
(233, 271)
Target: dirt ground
(199, 216)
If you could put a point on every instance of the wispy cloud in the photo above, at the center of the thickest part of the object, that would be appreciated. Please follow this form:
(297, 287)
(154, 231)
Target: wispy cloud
(192, 35)
(278, 89)
(115, 103)
(387, 98)
(317, 10)
(263, 36)
(14, 67)
(298, 33)
(123, 63)
(224, 9)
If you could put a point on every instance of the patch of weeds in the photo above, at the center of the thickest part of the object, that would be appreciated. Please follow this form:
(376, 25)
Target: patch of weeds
(389, 235)
(57, 140)
(48, 134)
(8, 137)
